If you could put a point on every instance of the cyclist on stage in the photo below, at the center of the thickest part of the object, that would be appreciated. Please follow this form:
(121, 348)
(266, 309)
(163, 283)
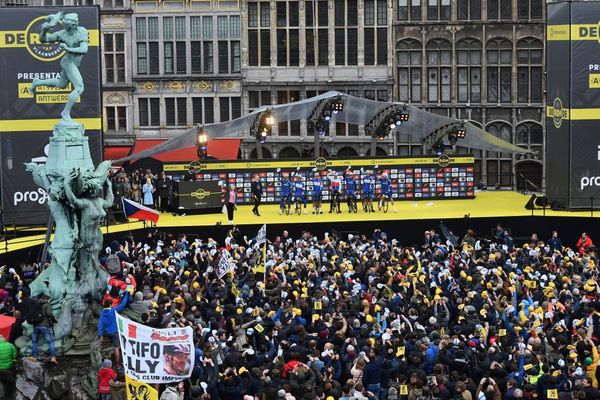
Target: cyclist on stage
(299, 189)
(286, 191)
(317, 192)
(368, 189)
(350, 188)
(336, 185)
(386, 191)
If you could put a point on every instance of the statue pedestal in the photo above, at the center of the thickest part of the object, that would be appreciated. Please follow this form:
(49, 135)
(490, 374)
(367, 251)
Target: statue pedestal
(69, 148)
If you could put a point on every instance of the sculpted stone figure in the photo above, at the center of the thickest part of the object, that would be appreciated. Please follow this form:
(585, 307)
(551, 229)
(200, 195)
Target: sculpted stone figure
(74, 41)
(78, 196)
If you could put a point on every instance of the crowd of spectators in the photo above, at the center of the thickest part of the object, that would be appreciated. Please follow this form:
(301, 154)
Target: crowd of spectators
(142, 186)
(364, 317)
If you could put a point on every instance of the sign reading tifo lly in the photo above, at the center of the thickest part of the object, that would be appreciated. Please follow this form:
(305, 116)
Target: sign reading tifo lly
(156, 355)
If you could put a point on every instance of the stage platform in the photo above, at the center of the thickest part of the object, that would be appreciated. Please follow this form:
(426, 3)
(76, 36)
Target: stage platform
(487, 205)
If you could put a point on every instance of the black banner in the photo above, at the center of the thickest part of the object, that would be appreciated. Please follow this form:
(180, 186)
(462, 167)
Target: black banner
(27, 119)
(197, 195)
(558, 135)
(585, 105)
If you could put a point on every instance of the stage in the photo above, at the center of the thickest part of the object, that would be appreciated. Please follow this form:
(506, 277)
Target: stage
(487, 209)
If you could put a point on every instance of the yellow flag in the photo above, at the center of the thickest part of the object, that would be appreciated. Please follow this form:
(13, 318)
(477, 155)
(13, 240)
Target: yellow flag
(318, 305)
(552, 394)
(235, 290)
(501, 332)
(403, 390)
(137, 390)
(400, 351)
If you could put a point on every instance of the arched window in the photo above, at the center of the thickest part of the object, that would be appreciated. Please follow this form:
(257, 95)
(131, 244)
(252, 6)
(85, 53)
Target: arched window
(439, 61)
(468, 10)
(468, 59)
(409, 54)
(529, 9)
(499, 59)
(530, 136)
(378, 152)
(499, 165)
(289, 152)
(347, 152)
(529, 70)
(500, 9)
(266, 153)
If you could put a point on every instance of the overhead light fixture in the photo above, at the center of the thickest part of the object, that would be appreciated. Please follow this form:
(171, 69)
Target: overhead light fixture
(201, 143)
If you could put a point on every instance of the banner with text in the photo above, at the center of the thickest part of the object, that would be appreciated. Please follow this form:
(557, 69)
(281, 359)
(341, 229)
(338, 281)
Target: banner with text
(27, 119)
(156, 355)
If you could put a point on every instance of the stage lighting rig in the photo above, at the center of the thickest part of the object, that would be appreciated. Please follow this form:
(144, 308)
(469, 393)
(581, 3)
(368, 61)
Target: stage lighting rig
(386, 120)
(263, 125)
(456, 133)
(322, 114)
(201, 143)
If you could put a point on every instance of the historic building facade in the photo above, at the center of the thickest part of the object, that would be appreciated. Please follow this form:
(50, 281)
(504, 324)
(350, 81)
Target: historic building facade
(481, 61)
(170, 64)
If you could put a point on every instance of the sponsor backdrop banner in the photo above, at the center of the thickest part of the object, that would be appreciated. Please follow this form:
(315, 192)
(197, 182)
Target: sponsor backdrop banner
(156, 355)
(27, 119)
(573, 104)
(412, 178)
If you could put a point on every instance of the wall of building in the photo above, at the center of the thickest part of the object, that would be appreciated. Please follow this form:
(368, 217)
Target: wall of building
(174, 63)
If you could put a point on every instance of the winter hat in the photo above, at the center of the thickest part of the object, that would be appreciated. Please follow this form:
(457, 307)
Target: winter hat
(107, 363)
(138, 296)
(281, 394)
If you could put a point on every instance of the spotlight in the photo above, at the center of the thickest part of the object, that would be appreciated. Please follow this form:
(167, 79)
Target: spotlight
(263, 127)
(338, 105)
(322, 127)
(382, 132)
(452, 138)
(404, 116)
(461, 133)
(201, 142)
(327, 115)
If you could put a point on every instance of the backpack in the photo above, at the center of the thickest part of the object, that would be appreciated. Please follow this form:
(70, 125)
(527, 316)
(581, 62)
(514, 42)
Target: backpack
(35, 313)
(113, 264)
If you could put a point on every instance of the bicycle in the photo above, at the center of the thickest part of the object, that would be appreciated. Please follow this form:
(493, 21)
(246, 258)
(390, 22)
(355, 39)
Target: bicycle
(335, 202)
(384, 203)
(352, 208)
(287, 205)
(298, 205)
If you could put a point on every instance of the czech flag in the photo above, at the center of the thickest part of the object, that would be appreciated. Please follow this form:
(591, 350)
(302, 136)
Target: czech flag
(138, 211)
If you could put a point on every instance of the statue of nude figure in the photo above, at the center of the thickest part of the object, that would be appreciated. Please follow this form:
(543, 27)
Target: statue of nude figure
(74, 41)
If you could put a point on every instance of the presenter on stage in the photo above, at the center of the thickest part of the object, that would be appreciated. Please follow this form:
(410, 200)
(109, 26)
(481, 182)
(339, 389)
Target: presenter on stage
(256, 189)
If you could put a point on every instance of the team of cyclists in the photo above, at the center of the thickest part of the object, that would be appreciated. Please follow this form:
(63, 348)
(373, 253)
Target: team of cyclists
(293, 190)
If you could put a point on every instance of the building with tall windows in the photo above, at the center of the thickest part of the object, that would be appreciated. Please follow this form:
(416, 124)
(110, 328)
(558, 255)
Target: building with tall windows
(480, 61)
(298, 49)
(170, 64)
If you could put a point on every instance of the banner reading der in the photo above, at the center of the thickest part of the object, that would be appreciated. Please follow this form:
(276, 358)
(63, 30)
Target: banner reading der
(156, 355)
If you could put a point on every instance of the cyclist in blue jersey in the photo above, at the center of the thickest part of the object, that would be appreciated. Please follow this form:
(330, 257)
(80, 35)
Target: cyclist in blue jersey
(368, 189)
(299, 189)
(386, 191)
(350, 189)
(286, 191)
(317, 192)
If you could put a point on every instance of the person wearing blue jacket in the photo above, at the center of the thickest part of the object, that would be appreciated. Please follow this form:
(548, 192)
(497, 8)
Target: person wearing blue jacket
(286, 191)
(107, 324)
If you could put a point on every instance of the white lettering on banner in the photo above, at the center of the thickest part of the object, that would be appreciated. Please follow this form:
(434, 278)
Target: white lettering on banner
(599, 152)
(590, 181)
(156, 355)
(40, 196)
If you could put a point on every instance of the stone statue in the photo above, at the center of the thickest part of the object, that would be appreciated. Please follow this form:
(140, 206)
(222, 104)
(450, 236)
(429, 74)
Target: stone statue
(74, 41)
(79, 195)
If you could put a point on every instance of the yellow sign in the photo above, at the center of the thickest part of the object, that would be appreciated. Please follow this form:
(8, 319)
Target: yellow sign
(403, 390)
(531, 284)
(318, 305)
(242, 165)
(259, 328)
(574, 32)
(594, 80)
(20, 39)
(137, 390)
(552, 394)
(35, 125)
(527, 367)
(501, 332)
(400, 351)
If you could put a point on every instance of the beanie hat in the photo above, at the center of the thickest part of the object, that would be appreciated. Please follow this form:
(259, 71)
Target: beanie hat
(107, 363)
(281, 393)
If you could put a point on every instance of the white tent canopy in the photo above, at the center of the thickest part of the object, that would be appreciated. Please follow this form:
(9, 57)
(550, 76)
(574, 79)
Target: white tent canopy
(357, 110)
